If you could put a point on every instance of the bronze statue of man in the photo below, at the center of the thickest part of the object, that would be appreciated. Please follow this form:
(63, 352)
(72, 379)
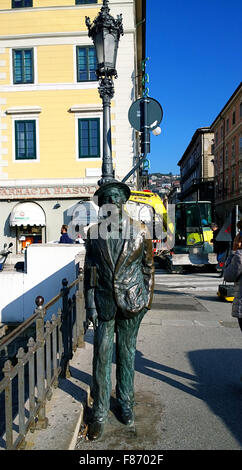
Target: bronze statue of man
(118, 287)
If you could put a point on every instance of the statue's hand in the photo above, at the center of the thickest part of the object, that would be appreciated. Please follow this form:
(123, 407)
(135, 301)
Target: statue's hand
(92, 317)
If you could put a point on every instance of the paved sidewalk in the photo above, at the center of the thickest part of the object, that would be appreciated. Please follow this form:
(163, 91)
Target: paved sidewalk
(65, 409)
(187, 384)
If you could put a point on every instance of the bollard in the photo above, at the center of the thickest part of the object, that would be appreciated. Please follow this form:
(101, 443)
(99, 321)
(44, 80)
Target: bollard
(42, 420)
(59, 338)
(31, 350)
(21, 404)
(48, 359)
(66, 330)
(54, 348)
(80, 312)
(7, 370)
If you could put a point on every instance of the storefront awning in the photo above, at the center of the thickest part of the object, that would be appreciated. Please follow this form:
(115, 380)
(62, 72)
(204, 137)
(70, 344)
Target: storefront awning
(27, 213)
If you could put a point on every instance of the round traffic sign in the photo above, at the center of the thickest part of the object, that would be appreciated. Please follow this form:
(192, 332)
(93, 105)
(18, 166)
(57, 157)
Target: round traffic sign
(137, 117)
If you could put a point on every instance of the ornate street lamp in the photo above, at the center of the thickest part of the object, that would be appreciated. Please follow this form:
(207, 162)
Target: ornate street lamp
(105, 32)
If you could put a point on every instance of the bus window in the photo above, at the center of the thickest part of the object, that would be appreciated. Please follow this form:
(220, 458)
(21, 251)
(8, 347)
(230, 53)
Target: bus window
(205, 213)
(192, 216)
(194, 227)
(180, 232)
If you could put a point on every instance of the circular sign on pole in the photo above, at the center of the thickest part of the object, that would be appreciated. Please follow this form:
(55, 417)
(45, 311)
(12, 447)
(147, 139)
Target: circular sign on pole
(154, 114)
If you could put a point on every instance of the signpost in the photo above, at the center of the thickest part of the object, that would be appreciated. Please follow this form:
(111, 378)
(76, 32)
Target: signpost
(153, 117)
(145, 115)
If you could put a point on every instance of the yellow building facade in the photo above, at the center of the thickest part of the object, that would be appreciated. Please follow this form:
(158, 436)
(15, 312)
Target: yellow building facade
(51, 112)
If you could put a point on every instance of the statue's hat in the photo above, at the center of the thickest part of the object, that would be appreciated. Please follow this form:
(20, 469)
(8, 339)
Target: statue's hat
(112, 184)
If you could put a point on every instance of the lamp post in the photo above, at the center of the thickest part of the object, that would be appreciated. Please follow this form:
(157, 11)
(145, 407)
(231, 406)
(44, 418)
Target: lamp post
(105, 32)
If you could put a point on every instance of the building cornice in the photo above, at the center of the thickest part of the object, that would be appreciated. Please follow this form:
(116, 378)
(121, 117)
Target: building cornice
(50, 34)
(229, 103)
(67, 7)
(197, 133)
(24, 110)
(82, 108)
(13, 11)
(49, 87)
(59, 34)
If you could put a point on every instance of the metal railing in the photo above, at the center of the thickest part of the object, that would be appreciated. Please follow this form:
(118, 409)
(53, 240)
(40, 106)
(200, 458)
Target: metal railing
(29, 377)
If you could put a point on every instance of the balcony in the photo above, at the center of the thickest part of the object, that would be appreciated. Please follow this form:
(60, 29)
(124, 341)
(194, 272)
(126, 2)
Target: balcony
(189, 171)
(203, 188)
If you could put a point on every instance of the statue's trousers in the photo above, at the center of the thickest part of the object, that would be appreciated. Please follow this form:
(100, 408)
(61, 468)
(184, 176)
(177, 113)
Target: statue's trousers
(126, 330)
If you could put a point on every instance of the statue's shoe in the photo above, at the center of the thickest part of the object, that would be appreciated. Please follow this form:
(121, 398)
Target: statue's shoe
(126, 415)
(95, 430)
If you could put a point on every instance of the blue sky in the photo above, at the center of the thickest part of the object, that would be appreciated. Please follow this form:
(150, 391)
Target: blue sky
(195, 64)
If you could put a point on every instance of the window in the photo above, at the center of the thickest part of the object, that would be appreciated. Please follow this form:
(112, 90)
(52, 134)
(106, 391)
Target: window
(226, 154)
(86, 64)
(81, 2)
(226, 184)
(221, 161)
(233, 181)
(240, 175)
(227, 125)
(25, 140)
(215, 163)
(233, 117)
(240, 110)
(89, 138)
(233, 149)
(240, 145)
(23, 71)
(22, 3)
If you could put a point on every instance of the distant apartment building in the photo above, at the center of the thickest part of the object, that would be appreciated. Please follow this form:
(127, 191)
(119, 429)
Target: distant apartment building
(227, 129)
(197, 168)
(51, 112)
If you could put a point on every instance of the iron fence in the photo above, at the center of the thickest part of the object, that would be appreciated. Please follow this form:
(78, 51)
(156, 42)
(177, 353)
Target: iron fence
(28, 378)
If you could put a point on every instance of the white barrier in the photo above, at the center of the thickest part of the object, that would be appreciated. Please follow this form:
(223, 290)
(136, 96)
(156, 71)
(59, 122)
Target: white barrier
(45, 267)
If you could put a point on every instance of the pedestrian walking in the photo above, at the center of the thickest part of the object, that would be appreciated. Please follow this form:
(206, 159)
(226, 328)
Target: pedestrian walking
(220, 247)
(64, 238)
(233, 273)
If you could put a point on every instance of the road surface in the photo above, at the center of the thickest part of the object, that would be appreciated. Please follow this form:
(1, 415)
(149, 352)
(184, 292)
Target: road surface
(188, 387)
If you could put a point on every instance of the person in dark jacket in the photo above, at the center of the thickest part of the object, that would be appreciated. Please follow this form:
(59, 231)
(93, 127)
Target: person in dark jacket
(220, 247)
(233, 273)
(64, 235)
(118, 289)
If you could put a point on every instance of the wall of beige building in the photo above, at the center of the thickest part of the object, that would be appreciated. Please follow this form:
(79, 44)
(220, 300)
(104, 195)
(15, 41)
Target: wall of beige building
(208, 168)
(59, 94)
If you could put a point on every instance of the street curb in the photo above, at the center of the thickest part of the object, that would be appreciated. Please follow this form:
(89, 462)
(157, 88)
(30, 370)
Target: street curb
(73, 442)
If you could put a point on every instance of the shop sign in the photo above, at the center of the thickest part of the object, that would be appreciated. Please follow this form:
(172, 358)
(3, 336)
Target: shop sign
(46, 192)
(21, 216)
